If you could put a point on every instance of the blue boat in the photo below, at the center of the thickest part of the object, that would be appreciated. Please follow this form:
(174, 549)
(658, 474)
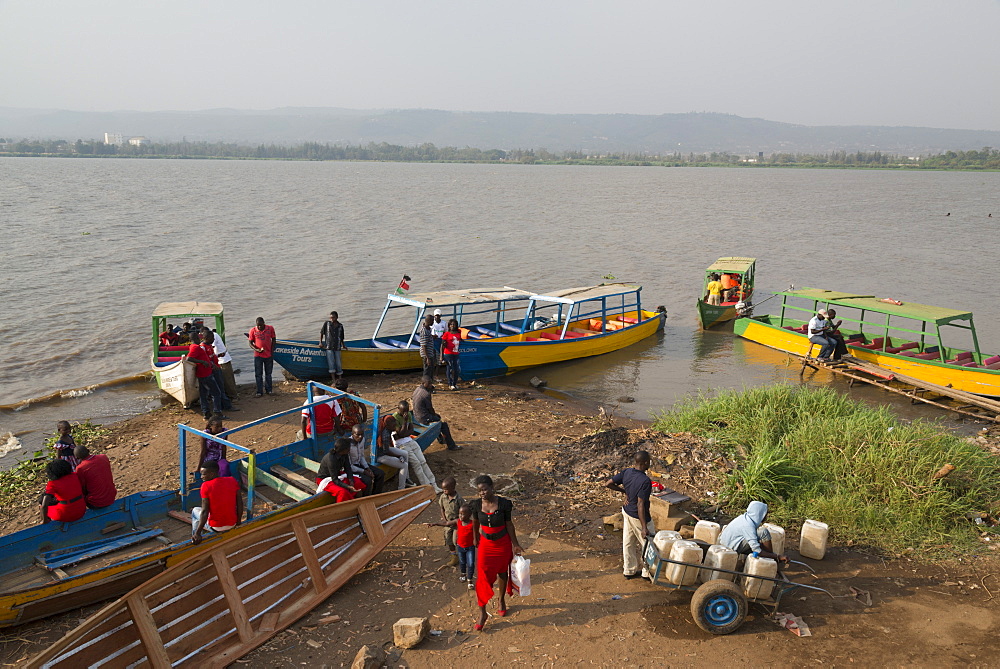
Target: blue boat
(51, 568)
(503, 330)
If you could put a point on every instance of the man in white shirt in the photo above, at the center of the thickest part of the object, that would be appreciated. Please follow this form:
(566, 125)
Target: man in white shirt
(438, 328)
(226, 365)
(816, 331)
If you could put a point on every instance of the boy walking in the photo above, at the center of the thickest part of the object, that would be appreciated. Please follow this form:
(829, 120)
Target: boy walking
(450, 501)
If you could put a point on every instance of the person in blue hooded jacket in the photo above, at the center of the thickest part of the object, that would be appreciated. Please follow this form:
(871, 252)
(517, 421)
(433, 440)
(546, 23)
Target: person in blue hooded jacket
(745, 534)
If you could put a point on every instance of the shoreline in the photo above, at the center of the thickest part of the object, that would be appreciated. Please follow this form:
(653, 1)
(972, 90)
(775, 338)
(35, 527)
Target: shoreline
(581, 610)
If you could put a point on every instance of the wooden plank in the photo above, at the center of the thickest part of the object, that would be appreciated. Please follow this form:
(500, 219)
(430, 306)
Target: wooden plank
(113, 527)
(370, 521)
(286, 489)
(309, 554)
(306, 463)
(295, 478)
(181, 516)
(233, 597)
(150, 637)
(268, 621)
(67, 557)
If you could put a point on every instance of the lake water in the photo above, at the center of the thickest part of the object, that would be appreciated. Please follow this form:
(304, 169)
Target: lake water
(91, 246)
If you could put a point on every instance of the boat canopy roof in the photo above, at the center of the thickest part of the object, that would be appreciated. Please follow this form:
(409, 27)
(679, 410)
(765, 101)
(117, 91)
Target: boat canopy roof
(447, 298)
(175, 309)
(732, 264)
(587, 293)
(912, 310)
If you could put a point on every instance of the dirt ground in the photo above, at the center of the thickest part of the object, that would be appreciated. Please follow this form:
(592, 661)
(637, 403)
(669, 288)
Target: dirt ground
(581, 610)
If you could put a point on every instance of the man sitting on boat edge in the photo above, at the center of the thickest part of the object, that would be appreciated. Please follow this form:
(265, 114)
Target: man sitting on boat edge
(221, 503)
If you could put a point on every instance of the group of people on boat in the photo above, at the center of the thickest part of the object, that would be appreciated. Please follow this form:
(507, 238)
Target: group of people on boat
(825, 333)
(721, 288)
(77, 480)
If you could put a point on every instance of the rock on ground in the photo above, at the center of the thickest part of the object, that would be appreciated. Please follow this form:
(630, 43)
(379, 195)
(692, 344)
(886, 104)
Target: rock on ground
(408, 632)
(369, 657)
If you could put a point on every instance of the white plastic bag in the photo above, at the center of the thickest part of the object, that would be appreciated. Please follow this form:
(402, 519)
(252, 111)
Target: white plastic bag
(520, 575)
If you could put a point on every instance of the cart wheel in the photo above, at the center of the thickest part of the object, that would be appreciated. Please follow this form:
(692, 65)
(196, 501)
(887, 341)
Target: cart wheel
(719, 606)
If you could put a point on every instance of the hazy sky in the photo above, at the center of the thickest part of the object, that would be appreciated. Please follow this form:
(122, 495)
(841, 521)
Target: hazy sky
(902, 62)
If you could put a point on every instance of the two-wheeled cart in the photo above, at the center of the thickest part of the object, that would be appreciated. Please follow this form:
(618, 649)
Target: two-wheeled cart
(720, 606)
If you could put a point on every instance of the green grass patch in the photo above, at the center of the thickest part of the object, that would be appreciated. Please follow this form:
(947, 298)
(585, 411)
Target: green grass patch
(21, 484)
(815, 453)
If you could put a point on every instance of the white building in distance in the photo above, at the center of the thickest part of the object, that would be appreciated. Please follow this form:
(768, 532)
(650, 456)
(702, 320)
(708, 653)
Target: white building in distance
(139, 141)
(114, 138)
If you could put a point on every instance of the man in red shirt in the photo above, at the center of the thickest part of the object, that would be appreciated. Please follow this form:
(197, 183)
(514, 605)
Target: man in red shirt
(325, 415)
(261, 338)
(221, 502)
(94, 472)
(209, 393)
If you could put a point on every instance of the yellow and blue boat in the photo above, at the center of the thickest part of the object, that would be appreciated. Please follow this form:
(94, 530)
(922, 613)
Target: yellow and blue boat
(904, 338)
(483, 309)
(51, 568)
(562, 325)
(737, 283)
(503, 330)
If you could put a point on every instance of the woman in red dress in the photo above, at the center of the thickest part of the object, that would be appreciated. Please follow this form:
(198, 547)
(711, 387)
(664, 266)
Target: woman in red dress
(496, 545)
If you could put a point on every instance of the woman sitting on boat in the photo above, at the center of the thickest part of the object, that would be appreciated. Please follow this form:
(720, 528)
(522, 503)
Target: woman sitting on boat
(496, 545)
(62, 500)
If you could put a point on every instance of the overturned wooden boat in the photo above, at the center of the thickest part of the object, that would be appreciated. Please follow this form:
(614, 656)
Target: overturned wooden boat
(212, 609)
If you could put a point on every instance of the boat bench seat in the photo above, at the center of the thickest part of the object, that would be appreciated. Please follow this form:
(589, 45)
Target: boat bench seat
(991, 360)
(801, 329)
(961, 358)
(630, 320)
(904, 347)
(970, 364)
(480, 330)
(995, 365)
(928, 356)
(168, 358)
(174, 348)
(585, 333)
(549, 335)
(65, 557)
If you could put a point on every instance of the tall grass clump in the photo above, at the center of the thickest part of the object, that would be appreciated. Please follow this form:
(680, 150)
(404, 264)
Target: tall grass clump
(814, 453)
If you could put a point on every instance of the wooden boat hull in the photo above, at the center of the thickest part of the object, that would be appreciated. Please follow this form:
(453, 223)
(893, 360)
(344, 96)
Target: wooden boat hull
(177, 380)
(979, 381)
(710, 314)
(505, 355)
(214, 608)
(306, 361)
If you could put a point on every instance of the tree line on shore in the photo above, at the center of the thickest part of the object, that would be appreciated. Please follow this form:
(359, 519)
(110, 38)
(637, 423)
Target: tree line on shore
(986, 158)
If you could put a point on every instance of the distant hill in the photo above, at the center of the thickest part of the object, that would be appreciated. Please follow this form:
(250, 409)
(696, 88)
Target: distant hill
(591, 133)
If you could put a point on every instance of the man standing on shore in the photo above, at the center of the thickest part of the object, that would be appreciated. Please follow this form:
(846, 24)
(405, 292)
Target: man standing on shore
(331, 340)
(226, 365)
(428, 349)
(636, 524)
(262, 338)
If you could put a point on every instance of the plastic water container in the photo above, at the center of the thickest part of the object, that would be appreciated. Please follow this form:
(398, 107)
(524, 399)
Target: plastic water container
(758, 566)
(707, 531)
(684, 574)
(722, 557)
(777, 538)
(664, 541)
(812, 540)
